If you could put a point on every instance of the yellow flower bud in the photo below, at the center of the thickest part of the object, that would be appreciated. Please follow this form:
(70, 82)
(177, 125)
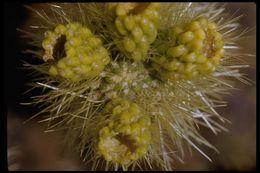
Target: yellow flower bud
(60, 29)
(129, 44)
(120, 26)
(177, 51)
(185, 37)
(53, 71)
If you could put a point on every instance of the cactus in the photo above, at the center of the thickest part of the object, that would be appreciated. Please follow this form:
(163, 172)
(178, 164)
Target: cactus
(130, 83)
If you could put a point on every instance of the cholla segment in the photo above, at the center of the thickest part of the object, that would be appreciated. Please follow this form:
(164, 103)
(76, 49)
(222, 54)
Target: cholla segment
(81, 56)
(137, 24)
(127, 135)
(197, 49)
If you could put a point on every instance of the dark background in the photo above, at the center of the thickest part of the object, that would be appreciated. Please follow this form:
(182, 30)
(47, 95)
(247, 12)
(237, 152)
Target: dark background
(14, 79)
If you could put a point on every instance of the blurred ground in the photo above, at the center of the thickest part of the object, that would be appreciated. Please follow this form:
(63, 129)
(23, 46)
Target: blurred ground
(31, 149)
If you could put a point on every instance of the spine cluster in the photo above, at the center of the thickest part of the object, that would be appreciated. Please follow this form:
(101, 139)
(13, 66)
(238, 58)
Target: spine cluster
(125, 79)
